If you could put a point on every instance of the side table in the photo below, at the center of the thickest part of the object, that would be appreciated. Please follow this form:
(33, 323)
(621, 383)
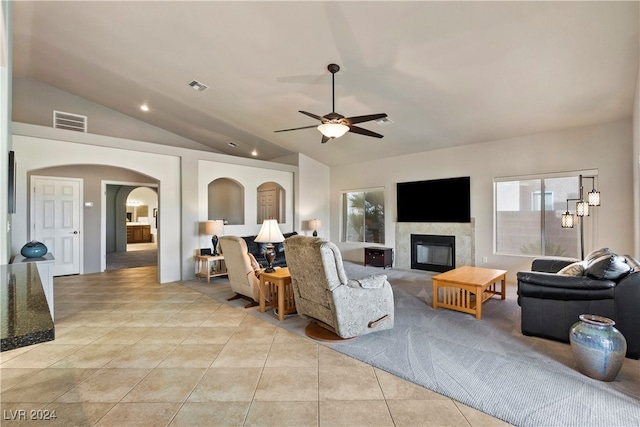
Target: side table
(204, 268)
(378, 257)
(277, 286)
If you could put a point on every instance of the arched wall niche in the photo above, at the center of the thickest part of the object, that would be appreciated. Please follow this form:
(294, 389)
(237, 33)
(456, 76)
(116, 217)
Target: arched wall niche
(226, 201)
(271, 202)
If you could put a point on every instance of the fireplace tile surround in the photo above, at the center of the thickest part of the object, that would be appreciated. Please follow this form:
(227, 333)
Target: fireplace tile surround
(463, 232)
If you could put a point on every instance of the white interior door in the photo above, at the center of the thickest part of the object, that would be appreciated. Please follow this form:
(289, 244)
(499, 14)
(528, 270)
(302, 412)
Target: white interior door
(55, 220)
(266, 205)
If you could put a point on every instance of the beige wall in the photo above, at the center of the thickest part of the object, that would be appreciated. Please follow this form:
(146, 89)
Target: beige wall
(606, 148)
(314, 179)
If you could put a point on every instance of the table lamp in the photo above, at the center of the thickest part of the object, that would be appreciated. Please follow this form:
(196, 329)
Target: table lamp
(214, 227)
(269, 233)
(314, 225)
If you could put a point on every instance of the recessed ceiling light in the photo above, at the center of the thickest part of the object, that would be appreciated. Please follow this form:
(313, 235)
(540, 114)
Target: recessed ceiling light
(144, 107)
(232, 144)
(254, 153)
(197, 85)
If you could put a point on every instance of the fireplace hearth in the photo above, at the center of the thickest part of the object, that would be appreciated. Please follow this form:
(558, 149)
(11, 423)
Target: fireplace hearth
(433, 252)
(464, 234)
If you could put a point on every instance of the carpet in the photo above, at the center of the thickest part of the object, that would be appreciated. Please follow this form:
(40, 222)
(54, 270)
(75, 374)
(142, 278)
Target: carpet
(131, 259)
(486, 364)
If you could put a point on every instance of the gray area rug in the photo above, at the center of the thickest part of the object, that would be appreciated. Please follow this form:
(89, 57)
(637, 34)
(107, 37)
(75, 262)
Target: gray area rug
(486, 364)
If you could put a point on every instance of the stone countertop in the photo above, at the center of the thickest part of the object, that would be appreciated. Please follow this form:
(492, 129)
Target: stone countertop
(25, 318)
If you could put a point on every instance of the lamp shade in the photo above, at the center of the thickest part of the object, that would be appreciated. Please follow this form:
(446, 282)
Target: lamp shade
(270, 232)
(333, 130)
(315, 224)
(582, 208)
(214, 227)
(593, 197)
(567, 220)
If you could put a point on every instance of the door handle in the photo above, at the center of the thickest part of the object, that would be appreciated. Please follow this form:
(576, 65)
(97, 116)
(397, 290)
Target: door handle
(75, 232)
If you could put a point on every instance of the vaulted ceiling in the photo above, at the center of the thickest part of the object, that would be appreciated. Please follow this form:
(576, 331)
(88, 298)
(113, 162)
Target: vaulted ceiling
(446, 73)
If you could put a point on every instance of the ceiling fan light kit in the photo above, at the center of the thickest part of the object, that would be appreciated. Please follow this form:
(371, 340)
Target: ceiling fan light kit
(333, 130)
(335, 125)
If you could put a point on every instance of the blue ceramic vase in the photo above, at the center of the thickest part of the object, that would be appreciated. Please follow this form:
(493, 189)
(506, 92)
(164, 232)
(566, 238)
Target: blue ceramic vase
(598, 348)
(33, 249)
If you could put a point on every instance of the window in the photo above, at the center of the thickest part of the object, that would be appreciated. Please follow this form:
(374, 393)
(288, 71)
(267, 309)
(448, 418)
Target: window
(363, 216)
(548, 200)
(527, 223)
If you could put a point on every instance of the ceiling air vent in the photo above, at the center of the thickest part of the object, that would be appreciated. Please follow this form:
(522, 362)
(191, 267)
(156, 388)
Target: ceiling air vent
(69, 121)
(198, 86)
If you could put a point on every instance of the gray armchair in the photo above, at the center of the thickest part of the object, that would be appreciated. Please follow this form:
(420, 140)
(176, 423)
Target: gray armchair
(322, 291)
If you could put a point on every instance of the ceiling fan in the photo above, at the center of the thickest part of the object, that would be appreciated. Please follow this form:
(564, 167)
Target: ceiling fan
(335, 125)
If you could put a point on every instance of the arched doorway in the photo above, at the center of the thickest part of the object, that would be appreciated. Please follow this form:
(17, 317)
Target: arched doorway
(130, 232)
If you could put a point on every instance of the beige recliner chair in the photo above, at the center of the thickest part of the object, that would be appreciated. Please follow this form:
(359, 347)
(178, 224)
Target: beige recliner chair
(241, 269)
(322, 292)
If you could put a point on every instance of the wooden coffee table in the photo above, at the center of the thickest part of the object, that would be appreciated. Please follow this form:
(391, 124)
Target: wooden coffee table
(276, 287)
(466, 288)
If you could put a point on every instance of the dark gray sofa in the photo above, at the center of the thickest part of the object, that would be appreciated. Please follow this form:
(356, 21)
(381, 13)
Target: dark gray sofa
(556, 292)
(257, 250)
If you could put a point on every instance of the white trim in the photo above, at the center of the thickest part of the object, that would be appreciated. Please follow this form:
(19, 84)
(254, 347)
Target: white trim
(103, 215)
(586, 172)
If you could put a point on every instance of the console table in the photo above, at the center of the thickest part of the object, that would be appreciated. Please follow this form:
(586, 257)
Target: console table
(378, 257)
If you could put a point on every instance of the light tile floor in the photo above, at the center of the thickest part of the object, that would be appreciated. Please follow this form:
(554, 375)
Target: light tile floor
(131, 352)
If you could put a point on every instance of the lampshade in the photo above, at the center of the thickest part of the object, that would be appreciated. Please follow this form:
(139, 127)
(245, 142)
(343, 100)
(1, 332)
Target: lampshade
(582, 208)
(333, 130)
(214, 227)
(567, 220)
(315, 225)
(270, 232)
(593, 197)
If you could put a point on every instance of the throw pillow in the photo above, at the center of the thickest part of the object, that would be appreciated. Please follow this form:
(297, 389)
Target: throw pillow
(612, 267)
(574, 269)
(597, 254)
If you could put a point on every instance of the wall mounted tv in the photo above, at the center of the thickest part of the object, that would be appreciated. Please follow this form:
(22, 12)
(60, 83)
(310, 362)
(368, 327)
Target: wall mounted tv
(437, 200)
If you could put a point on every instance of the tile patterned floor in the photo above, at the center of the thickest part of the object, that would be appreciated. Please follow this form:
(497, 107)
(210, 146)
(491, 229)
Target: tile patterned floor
(131, 352)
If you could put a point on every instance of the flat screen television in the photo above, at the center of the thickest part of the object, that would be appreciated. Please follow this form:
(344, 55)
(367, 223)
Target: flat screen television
(436, 200)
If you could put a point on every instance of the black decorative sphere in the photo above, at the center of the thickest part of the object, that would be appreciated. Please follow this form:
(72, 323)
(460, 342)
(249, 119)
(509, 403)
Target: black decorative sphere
(33, 249)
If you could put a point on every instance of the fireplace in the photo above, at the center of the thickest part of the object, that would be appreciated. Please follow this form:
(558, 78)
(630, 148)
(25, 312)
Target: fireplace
(433, 252)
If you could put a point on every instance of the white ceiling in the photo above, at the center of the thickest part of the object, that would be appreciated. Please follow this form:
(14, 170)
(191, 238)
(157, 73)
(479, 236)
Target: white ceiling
(446, 73)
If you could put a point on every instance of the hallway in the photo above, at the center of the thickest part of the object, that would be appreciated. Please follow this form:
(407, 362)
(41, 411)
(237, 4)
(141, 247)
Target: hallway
(137, 255)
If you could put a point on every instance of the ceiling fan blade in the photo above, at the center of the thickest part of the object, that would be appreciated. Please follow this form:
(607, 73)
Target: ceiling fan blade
(369, 117)
(304, 127)
(362, 131)
(315, 116)
(325, 139)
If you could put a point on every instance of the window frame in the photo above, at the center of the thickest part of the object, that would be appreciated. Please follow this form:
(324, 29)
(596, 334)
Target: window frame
(589, 228)
(343, 218)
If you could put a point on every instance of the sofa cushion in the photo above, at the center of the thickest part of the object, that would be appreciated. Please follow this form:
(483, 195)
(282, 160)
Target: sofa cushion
(252, 246)
(574, 269)
(610, 266)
